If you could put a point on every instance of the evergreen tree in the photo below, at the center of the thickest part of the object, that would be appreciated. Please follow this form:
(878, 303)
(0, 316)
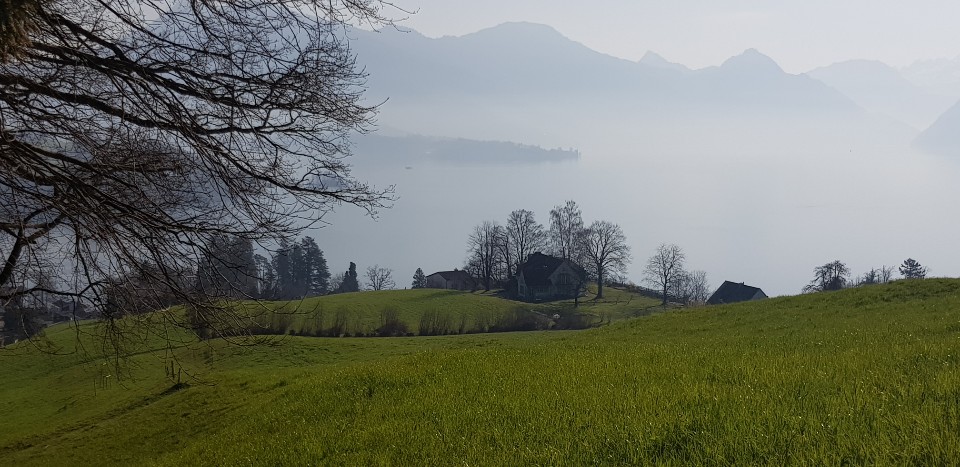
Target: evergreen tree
(315, 266)
(911, 269)
(299, 274)
(228, 269)
(266, 277)
(419, 280)
(283, 272)
(350, 282)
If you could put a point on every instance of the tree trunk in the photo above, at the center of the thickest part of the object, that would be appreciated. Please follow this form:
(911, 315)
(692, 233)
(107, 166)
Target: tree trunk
(599, 284)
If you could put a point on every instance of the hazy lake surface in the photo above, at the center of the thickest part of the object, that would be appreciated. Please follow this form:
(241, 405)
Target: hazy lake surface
(757, 205)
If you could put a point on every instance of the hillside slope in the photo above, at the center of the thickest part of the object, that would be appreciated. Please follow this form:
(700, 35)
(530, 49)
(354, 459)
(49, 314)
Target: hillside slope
(865, 376)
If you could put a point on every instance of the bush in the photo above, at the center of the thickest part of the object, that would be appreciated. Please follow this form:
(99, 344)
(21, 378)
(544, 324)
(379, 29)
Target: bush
(340, 321)
(435, 323)
(390, 324)
(577, 321)
(520, 319)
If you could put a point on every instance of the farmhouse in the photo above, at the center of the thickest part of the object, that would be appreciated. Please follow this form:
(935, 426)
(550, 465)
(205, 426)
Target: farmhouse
(733, 292)
(454, 280)
(544, 277)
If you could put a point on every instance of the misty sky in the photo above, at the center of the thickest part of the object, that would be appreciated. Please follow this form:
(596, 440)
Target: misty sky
(799, 35)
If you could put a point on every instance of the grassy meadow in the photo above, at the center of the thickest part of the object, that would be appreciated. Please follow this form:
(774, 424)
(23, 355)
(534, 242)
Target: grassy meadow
(441, 312)
(862, 376)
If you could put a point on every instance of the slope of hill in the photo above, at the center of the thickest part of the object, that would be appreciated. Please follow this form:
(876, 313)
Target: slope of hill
(447, 312)
(881, 88)
(866, 376)
(943, 137)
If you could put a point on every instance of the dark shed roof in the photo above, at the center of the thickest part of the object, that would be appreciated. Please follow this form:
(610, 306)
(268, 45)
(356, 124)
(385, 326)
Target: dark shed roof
(538, 267)
(456, 274)
(733, 292)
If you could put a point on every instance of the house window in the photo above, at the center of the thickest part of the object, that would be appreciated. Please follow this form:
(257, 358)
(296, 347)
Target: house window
(564, 279)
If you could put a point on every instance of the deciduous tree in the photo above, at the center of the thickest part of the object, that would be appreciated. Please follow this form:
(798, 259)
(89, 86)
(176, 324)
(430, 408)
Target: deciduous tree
(831, 276)
(485, 253)
(134, 132)
(379, 278)
(525, 235)
(566, 232)
(665, 268)
(606, 250)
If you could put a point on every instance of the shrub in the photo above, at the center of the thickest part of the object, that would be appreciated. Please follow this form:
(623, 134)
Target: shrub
(390, 324)
(435, 323)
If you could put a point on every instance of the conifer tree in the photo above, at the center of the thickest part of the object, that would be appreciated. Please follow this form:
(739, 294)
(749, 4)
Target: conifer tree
(419, 280)
(315, 267)
(350, 282)
(911, 269)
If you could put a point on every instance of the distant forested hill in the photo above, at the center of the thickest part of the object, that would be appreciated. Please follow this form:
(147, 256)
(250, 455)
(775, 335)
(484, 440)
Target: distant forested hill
(416, 149)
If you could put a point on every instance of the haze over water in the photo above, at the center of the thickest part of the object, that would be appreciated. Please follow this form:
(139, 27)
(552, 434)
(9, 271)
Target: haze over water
(758, 174)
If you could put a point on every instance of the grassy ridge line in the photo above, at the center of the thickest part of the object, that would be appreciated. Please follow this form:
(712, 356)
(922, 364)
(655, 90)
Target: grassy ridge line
(470, 311)
(863, 376)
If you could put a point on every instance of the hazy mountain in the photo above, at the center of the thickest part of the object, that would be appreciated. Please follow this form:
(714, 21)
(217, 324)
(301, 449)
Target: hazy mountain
(655, 60)
(504, 60)
(943, 137)
(753, 81)
(939, 76)
(881, 88)
(518, 81)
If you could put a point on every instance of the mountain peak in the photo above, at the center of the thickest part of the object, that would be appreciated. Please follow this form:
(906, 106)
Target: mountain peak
(752, 61)
(655, 60)
(520, 30)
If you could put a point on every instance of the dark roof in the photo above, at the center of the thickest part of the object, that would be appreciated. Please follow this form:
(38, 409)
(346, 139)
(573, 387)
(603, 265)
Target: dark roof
(456, 274)
(732, 292)
(538, 267)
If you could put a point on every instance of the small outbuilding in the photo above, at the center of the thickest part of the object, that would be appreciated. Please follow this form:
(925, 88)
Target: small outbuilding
(453, 280)
(733, 292)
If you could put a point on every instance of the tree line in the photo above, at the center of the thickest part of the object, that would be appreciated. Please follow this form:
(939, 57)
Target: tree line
(836, 275)
(495, 251)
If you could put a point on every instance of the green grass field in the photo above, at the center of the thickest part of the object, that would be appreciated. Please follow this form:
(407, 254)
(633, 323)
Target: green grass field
(864, 376)
(453, 312)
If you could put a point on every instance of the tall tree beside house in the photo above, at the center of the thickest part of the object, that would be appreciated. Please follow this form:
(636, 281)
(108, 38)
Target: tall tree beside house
(566, 234)
(606, 251)
(419, 280)
(911, 269)
(525, 236)
(665, 268)
(485, 252)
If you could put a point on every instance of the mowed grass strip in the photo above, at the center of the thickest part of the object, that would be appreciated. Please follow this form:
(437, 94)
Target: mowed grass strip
(865, 376)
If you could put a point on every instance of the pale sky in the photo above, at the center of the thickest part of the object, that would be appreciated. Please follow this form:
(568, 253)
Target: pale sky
(799, 34)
